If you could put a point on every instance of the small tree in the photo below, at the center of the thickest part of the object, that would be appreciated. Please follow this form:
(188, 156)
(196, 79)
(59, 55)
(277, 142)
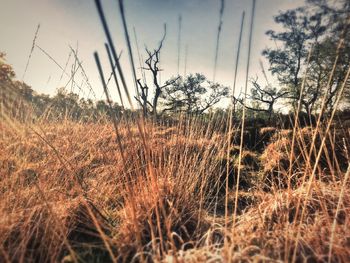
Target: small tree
(266, 96)
(193, 94)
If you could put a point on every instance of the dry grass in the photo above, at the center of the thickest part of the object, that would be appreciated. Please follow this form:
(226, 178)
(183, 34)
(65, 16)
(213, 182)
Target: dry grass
(67, 195)
(275, 158)
(262, 231)
(50, 172)
(137, 191)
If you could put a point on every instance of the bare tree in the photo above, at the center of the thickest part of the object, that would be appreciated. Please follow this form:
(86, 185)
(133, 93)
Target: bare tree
(149, 106)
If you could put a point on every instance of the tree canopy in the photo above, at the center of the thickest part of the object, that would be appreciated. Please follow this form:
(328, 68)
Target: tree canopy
(193, 94)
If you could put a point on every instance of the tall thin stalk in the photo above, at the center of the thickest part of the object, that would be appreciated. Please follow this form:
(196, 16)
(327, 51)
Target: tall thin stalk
(31, 51)
(185, 63)
(127, 38)
(179, 44)
(230, 116)
(243, 114)
(114, 74)
(222, 8)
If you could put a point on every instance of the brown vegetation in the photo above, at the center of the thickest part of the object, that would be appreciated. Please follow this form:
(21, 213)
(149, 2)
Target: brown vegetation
(68, 195)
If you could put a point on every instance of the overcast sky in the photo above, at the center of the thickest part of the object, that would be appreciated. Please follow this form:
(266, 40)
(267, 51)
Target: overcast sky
(75, 23)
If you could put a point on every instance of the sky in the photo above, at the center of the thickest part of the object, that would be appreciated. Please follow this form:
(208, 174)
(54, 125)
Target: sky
(75, 23)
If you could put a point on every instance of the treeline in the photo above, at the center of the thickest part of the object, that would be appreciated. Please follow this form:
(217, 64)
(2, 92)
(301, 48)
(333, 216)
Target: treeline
(193, 95)
(20, 101)
(24, 104)
(310, 64)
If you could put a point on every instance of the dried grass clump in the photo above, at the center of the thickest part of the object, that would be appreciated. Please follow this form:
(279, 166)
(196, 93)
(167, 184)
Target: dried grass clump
(250, 165)
(266, 133)
(274, 223)
(268, 231)
(267, 130)
(41, 203)
(335, 153)
(276, 161)
(165, 133)
(32, 235)
(166, 219)
(47, 232)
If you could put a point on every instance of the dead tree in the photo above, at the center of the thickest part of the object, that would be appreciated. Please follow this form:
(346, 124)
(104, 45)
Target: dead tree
(149, 105)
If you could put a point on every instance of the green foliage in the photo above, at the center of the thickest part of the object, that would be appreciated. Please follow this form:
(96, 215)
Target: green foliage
(6, 71)
(321, 26)
(300, 30)
(193, 94)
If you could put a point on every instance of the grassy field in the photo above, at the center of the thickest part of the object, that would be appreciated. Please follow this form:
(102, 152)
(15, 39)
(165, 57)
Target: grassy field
(168, 193)
(81, 184)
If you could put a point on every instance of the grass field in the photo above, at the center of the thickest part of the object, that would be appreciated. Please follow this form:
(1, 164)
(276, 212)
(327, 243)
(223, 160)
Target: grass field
(94, 181)
(69, 193)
